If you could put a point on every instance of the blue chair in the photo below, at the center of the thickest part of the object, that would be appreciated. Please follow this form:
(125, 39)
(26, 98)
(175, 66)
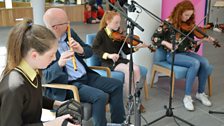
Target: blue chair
(94, 61)
(161, 65)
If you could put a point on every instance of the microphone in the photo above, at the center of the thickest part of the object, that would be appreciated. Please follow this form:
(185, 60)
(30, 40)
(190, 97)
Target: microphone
(122, 2)
(124, 15)
(130, 7)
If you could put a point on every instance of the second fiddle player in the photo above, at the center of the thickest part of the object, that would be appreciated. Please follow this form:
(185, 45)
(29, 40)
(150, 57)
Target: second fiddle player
(108, 49)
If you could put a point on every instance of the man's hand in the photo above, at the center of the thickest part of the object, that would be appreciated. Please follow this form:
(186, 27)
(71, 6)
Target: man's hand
(65, 56)
(76, 46)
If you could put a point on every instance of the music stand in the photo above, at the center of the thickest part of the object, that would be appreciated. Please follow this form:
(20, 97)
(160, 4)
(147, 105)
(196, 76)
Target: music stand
(169, 109)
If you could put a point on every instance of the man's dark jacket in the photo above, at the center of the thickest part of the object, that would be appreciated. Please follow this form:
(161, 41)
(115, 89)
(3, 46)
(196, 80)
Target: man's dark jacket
(55, 74)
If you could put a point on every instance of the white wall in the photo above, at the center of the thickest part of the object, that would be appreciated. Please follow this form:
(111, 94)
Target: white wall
(216, 12)
(144, 56)
(3, 53)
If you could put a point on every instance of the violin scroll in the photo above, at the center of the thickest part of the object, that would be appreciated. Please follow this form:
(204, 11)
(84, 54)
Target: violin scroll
(199, 32)
(216, 44)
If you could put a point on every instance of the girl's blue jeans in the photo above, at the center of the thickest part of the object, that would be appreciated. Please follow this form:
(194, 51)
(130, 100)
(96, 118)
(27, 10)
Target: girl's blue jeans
(197, 66)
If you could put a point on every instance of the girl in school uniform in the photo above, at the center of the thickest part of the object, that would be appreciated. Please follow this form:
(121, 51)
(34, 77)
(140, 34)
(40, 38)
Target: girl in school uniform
(30, 48)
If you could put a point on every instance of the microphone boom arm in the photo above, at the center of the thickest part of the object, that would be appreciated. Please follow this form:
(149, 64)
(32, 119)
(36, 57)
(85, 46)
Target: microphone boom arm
(124, 15)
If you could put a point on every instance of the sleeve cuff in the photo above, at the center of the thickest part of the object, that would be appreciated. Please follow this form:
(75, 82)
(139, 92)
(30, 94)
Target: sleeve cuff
(105, 55)
(83, 54)
(48, 103)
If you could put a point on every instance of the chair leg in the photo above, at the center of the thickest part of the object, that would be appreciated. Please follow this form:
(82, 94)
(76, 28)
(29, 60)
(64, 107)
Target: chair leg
(152, 77)
(153, 73)
(209, 86)
(146, 90)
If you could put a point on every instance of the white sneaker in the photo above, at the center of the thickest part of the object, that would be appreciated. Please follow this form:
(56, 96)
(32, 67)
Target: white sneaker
(203, 98)
(188, 103)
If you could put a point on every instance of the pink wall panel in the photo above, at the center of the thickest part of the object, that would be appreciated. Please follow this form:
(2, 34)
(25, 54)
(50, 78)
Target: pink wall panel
(168, 5)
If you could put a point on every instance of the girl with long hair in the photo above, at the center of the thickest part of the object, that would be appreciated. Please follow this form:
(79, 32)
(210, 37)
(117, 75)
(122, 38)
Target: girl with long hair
(183, 14)
(30, 48)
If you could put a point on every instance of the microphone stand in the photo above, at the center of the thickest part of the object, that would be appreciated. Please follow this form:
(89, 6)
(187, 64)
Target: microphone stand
(169, 109)
(132, 24)
(139, 86)
(215, 112)
(130, 97)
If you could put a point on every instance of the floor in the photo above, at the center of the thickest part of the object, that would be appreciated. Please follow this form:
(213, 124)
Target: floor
(159, 96)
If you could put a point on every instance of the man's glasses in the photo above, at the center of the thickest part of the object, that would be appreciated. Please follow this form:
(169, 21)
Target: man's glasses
(66, 23)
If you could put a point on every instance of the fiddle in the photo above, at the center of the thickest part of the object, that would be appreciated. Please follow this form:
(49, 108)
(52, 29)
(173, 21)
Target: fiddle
(199, 32)
(119, 37)
(116, 36)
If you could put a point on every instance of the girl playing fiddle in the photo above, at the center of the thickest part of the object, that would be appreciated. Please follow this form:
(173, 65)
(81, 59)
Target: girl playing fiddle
(30, 48)
(196, 64)
(107, 49)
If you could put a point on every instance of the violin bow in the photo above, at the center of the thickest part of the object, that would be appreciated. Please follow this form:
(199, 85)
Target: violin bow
(127, 37)
(70, 43)
(123, 44)
(121, 47)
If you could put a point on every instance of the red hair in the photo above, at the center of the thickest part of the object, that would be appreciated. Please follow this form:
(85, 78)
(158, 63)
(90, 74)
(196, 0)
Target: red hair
(108, 16)
(176, 15)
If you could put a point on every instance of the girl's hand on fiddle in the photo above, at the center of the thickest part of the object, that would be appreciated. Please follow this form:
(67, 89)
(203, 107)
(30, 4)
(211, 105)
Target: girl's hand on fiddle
(169, 45)
(141, 45)
(76, 46)
(210, 39)
(113, 56)
(200, 41)
(207, 39)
